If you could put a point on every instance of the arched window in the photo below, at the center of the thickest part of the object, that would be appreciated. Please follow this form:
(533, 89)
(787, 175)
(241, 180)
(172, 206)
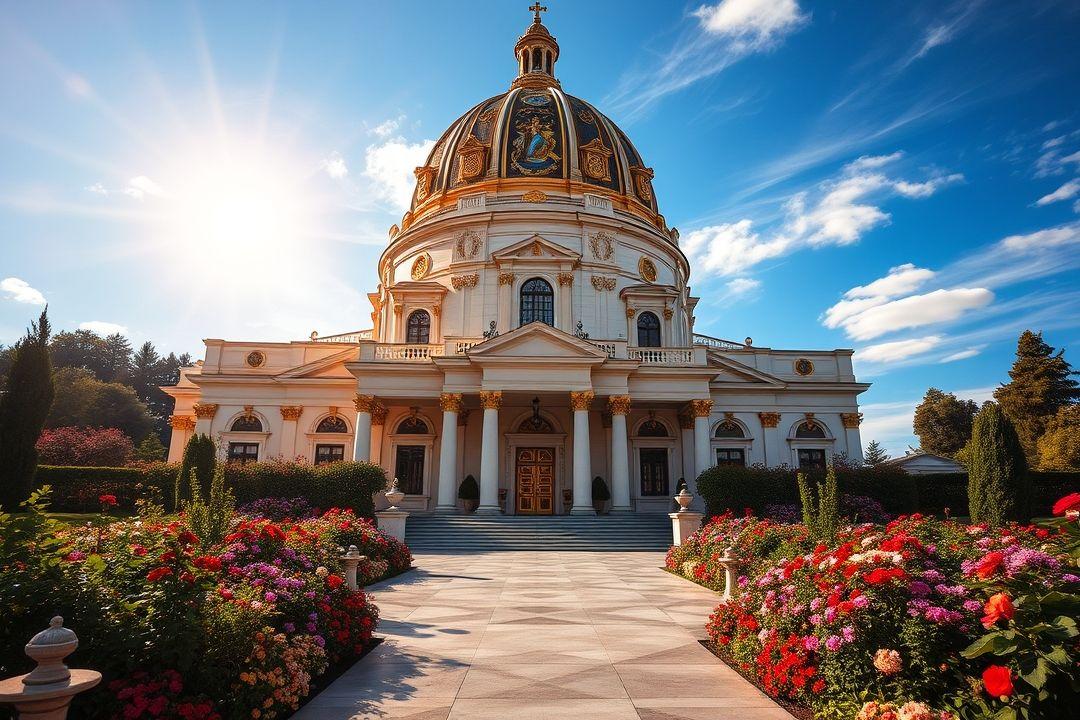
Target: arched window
(412, 425)
(247, 423)
(537, 302)
(810, 430)
(332, 424)
(418, 328)
(729, 429)
(652, 428)
(537, 66)
(648, 330)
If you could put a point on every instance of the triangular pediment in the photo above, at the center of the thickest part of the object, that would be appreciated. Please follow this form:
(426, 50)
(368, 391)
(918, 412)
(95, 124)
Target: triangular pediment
(331, 366)
(537, 340)
(735, 371)
(536, 248)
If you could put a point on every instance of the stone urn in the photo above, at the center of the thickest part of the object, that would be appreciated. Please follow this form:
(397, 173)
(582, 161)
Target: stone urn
(684, 499)
(394, 496)
(48, 649)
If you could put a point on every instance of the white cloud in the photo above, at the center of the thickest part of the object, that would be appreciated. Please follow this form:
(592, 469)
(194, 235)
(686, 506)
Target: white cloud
(741, 286)
(1066, 192)
(141, 186)
(898, 349)
(1049, 238)
(937, 306)
(97, 188)
(391, 166)
(900, 280)
(20, 291)
(387, 127)
(730, 248)
(873, 162)
(103, 328)
(756, 21)
(962, 355)
(335, 166)
(1053, 142)
(928, 188)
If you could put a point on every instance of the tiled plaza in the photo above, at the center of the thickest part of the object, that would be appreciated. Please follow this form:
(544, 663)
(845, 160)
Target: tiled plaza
(541, 636)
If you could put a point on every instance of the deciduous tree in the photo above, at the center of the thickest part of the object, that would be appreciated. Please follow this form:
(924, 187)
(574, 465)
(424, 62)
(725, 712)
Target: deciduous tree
(1059, 446)
(943, 422)
(84, 401)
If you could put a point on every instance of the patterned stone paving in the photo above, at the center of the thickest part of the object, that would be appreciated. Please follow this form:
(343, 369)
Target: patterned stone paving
(541, 636)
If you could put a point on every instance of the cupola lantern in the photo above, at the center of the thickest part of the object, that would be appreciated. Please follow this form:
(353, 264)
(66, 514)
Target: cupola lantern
(536, 52)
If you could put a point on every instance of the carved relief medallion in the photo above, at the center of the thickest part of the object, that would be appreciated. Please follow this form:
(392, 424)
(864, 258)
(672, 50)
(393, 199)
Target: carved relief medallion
(256, 358)
(804, 367)
(468, 244)
(646, 269)
(421, 267)
(534, 196)
(602, 245)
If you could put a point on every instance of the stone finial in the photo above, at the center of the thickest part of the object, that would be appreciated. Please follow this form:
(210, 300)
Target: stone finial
(352, 560)
(48, 649)
(46, 693)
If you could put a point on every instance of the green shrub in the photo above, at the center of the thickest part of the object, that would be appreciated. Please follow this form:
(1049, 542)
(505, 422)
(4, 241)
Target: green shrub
(820, 507)
(200, 455)
(998, 486)
(76, 489)
(210, 519)
(468, 489)
(341, 484)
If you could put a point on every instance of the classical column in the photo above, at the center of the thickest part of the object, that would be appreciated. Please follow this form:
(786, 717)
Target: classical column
(289, 415)
(851, 421)
(489, 453)
(700, 409)
(580, 402)
(686, 425)
(620, 464)
(378, 429)
(448, 451)
(462, 424)
(204, 417)
(362, 442)
(771, 438)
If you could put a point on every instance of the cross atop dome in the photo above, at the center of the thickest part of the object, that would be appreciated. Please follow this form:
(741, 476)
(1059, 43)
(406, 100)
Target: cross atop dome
(536, 52)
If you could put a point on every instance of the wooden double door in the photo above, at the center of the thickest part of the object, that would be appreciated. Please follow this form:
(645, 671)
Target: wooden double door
(535, 473)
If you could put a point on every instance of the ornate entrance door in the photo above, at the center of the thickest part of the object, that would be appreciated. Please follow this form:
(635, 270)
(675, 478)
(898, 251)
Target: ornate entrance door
(535, 481)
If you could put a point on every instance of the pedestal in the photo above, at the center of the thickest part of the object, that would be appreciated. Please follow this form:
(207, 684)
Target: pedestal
(392, 522)
(683, 524)
(46, 702)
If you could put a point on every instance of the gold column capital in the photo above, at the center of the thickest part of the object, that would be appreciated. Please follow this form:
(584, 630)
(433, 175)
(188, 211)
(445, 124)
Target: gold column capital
(582, 399)
(205, 411)
(701, 408)
(769, 419)
(506, 278)
(450, 402)
(364, 403)
(491, 399)
(686, 421)
(182, 422)
(851, 419)
(565, 278)
(378, 414)
(619, 404)
(291, 412)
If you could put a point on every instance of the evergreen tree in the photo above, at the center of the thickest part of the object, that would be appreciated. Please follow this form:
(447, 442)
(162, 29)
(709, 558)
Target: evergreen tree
(875, 454)
(1059, 446)
(145, 371)
(23, 408)
(200, 458)
(943, 422)
(150, 449)
(1040, 384)
(116, 358)
(998, 483)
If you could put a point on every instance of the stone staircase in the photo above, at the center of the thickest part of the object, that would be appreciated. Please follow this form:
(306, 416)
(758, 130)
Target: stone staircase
(605, 533)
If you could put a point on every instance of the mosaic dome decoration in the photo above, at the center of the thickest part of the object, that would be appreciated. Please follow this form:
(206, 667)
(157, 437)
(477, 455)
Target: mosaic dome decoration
(535, 131)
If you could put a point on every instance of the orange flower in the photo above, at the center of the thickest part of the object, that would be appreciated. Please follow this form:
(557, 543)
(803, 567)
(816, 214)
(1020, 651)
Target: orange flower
(998, 607)
(989, 564)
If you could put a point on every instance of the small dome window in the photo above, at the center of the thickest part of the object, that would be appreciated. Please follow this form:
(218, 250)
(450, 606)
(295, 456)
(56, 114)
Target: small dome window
(247, 423)
(418, 328)
(648, 330)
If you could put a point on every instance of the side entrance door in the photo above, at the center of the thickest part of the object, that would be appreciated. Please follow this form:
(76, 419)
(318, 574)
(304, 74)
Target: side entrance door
(535, 481)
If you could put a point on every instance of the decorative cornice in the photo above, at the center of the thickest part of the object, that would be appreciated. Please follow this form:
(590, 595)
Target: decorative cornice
(291, 412)
(364, 403)
(619, 404)
(506, 278)
(565, 278)
(769, 419)
(851, 420)
(182, 422)
(701, 408)
(464, 281)
(534, 196)
(450, 402)
(582, 399)
(204, 411)
(490, 399)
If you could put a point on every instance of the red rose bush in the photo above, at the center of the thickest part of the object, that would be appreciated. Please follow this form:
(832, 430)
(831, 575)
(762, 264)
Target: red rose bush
(917, 619)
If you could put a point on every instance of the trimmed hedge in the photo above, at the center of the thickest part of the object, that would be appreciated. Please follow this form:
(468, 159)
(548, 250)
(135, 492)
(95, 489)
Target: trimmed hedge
(735, 488)
(342, 484)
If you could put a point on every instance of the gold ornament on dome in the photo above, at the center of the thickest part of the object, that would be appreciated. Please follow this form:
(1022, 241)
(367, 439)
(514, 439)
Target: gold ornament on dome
(468, 244)
(424, 176)
(602, 283)
(804, 367)
(256, 358)
(421, 267)
(471, 155)
(602, 245)
(534, 196)
(594, 160)
(643, 182)
(646, 269)
(586, 117)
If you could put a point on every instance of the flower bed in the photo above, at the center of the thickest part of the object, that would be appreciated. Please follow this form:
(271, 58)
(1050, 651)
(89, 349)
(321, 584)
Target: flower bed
(912, 620)
(237, 629)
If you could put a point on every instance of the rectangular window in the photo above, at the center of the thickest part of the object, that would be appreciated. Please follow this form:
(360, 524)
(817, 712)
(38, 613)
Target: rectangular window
(810, 459)
(409, 469)
(654, 472)
(243, 452)
(731, 456)
(329, 453)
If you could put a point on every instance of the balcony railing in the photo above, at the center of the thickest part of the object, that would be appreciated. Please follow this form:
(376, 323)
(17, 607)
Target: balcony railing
(352, 337)
(661, 356)
(717, 343)
(408, 352)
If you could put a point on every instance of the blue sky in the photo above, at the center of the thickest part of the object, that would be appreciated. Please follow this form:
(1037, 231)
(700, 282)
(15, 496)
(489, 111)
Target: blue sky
(902, 178)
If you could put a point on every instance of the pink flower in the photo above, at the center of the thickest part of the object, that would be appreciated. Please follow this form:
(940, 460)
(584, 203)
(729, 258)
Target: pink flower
(915, 711)
(887, 661)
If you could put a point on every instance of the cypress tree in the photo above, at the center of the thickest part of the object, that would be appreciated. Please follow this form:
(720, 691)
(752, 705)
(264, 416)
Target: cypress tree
(199, 461)
(998, 484)
(24, 407)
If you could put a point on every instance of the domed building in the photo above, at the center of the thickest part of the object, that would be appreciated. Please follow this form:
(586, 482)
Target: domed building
(533, 327)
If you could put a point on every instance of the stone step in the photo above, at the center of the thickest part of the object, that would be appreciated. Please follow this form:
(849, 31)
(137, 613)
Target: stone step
(450, 533)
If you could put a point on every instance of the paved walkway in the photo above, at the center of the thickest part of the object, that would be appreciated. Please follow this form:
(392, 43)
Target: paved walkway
(541, 636)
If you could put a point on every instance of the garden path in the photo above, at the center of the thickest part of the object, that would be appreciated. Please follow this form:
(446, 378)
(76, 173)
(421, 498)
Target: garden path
(541, 636)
